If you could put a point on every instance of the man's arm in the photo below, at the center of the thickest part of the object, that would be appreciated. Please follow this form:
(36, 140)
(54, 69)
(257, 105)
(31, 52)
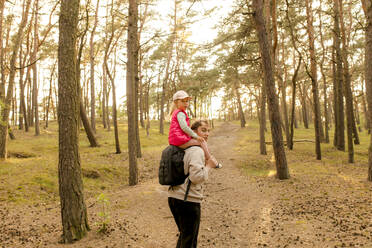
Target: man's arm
(198, 172)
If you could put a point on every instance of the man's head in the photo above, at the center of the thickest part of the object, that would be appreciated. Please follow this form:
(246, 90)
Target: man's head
(201, 128)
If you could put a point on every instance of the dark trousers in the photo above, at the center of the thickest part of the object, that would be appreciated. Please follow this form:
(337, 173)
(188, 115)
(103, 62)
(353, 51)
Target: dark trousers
(187, 217)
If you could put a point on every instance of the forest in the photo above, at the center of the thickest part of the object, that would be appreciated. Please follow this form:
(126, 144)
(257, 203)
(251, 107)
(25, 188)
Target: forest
(85, 104)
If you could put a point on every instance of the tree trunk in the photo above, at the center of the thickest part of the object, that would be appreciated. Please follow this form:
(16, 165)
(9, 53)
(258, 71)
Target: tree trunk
(114, 111)
(131, 90)
(83, 115)
(313, 75)
(49, 96)
(304, 106)
(73, 208)
(339, 104)
(293, 108)
(136, 102)
(262, 119)
(35, 102)
(347, 85)
(104, 93)
(21, 120)
(92, 84)
(240, 107)
(273, 101)
(367, 124)
(326, 122)
(368, 76)
(12, 71)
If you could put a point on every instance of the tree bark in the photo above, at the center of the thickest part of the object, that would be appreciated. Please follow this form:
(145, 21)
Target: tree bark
(241, 113)
(83, 115)
(367, 124)
(326, 119)
(314, 77)
(294, 80)
(73, 208)
(368, 76)
(9, 95)
(114, 111)
(49, 96)
(339, 104)
(167, 71)
(92, 84)
(131, 90)
(35, 102)
(347, 88)
(262, 119)
(273, 101)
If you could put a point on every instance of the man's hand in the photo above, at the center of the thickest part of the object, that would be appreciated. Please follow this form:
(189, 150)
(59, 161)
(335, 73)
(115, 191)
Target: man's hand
(212, 162)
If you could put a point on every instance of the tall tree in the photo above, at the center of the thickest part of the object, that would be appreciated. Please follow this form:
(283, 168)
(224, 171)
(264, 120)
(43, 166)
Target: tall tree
(92, 84)
(83, 115)
(7, 99)
(172, 40)
(35, 103)
(314, 77)
(367, 6)
(131, 90)
(321, 64)
(347, 87)
(338, 81)
(73, 208)
(273, 101)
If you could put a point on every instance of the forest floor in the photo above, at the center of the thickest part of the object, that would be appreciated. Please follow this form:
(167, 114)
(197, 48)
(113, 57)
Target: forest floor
(324, 204)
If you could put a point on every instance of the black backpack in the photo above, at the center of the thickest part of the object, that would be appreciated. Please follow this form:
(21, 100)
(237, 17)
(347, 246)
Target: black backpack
(171, 169)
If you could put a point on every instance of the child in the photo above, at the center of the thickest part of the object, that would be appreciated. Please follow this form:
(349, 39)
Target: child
(180, 133)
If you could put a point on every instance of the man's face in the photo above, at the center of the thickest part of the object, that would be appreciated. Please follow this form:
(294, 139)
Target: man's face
(203, 131)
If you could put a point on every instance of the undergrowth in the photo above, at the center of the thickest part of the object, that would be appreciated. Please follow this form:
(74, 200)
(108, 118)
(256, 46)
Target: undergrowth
(34, 178)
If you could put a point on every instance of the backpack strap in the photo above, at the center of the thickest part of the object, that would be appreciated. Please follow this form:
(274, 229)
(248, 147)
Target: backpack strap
(187, 189)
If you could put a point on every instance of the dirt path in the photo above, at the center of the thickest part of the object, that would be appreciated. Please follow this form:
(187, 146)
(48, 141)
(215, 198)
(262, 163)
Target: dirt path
(140, 217)
(230, 212)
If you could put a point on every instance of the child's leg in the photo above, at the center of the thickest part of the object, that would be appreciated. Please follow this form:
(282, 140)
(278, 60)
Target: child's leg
(192, 142)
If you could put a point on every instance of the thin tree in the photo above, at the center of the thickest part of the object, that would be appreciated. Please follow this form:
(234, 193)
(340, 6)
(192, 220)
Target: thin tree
(131, 90)
(92, 84)
(347, 88)
(73, 208)
(273, 101)
(314, 77)
(83, 115)
(35, 103)
(49, 95)
(167, 68)
(367, 7)
(326, 114)
(338, 81)
(7, 99)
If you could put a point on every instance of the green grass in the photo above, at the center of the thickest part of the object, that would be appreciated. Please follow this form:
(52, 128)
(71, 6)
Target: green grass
(301, 160)
(35, 178)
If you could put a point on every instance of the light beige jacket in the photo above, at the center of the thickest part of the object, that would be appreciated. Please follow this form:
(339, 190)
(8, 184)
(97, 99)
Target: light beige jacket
(194, 165)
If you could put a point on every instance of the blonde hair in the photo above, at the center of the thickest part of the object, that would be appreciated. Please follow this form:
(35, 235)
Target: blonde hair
(172, 109)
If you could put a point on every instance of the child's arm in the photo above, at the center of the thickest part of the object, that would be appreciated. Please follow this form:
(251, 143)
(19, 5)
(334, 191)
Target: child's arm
(181, 118)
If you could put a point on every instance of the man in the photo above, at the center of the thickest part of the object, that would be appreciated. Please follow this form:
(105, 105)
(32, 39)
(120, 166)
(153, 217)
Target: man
(186, 210)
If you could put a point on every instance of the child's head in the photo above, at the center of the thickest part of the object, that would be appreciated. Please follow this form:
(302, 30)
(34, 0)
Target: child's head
(181, 100)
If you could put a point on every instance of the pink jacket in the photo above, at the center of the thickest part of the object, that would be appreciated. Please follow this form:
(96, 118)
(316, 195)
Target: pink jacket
(177, 136)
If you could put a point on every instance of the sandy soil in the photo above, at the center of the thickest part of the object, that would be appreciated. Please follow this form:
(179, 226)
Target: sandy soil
(238, 211)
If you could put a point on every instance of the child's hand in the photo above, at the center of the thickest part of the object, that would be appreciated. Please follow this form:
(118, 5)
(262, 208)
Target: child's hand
(200, 139)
